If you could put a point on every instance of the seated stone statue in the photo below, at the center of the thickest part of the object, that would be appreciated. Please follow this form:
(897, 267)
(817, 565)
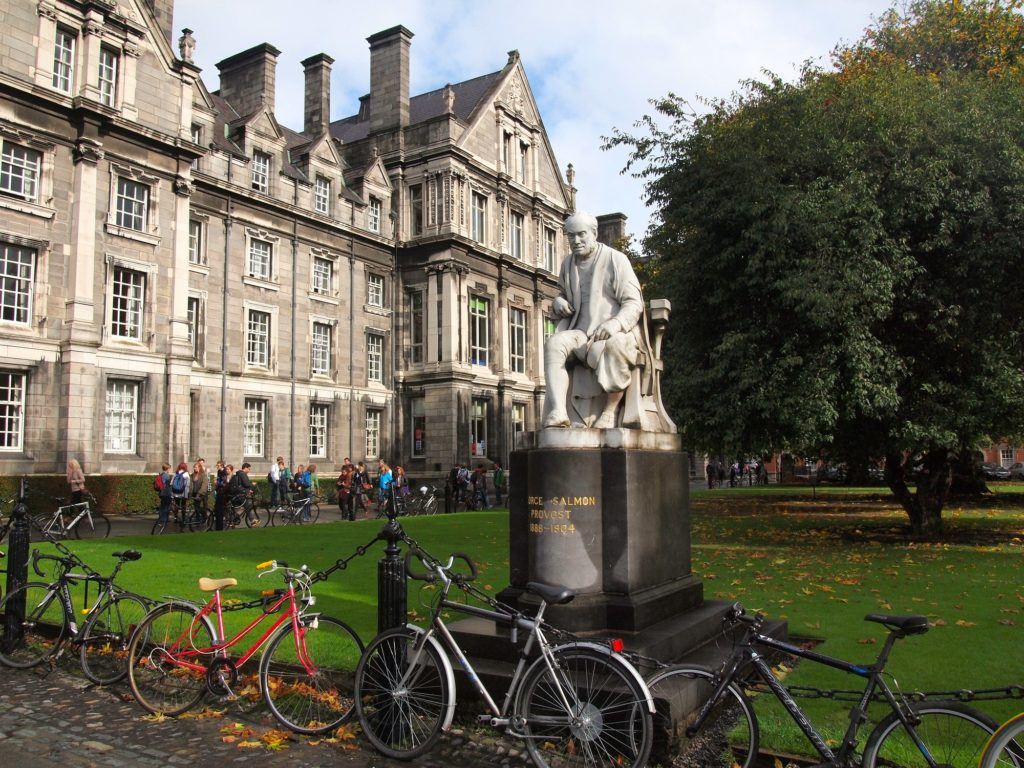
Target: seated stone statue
(601, 337)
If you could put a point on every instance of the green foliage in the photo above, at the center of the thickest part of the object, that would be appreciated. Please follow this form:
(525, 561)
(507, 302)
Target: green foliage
(114, 493)
(844, 253)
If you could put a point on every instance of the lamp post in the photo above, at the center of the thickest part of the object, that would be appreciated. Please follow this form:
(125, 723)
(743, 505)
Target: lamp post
(17, 569)
(391, 585)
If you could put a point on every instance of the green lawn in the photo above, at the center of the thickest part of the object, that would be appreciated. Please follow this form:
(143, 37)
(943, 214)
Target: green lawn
(820, 561)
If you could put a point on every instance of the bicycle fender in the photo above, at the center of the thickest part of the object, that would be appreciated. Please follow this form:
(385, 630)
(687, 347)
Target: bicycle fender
(604, 649)
(448, 673)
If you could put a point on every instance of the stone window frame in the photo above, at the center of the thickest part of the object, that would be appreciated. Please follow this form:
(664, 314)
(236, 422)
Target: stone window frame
(151, 272)
(487, 402)
(199, 331)
(517, 253)
(263, 407)
(272, 281)
(481, 235)
(271, 365)
(550, 256)
(332, 343)
(150, 234)
(472, 328)
(376, 289)
(512, 418)
(326, 409)
(522, 175)
(422, 292)
(109, 98)
(522, 343)
(201, 224)
(196, 134)
(374, 214)
(32, 282)
(415, 231)
(420, 400)
(376, 333)
(72, 34)
(20, 408)
(332, 297)
(40, 287)
(373, 413)
(43, 203)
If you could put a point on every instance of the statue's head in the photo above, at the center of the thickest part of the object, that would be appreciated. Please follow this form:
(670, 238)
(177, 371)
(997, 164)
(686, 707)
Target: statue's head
(581, 229)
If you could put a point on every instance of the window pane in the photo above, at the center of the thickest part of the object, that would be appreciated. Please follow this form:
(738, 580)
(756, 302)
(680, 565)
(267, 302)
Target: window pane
(375, 358)
(254, 427)
(108, 76)
(64, 61)
(12, 410)
(323, 270)
(19, 171)
(322, 195)
(479, 336)
(478, 427)
(419, 427)
(193, 324)
(127, 304)
(517, 235)
(549, 249)
(320, 354)
(375, 291)
(318, 419)
(517, 340)
(374, 215)
(261, 255)
(16, 272)
(417, 328)
(416, 209)
(120, 416)
(372, 434)
(479, 217)
(257, 350)
(260, 171)
(195, 242)
(132, 199)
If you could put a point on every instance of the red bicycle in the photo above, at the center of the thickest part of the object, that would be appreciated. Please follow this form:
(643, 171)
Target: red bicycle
(179, 653)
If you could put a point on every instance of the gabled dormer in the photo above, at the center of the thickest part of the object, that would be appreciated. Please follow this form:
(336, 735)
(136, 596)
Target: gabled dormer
(373, 187)
(322, 168)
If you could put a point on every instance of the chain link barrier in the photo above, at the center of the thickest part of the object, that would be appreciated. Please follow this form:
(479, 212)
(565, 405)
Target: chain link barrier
(839, 694)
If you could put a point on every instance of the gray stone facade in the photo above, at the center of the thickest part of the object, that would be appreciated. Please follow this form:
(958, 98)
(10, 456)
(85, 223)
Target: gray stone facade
(183, 276)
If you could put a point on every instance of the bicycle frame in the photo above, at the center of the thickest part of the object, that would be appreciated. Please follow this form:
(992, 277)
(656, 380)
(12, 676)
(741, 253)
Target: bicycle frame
(181, 650)
(745, 654)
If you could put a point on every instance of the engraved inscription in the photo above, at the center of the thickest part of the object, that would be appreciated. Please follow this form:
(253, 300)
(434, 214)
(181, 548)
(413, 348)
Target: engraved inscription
(554, 515)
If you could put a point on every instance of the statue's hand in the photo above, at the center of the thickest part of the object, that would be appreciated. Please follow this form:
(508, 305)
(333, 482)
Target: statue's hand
(561, 308)
(607, 329)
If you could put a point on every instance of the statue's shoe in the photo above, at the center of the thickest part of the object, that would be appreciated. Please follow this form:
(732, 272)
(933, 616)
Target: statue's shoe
(606, 421)
(557, 420)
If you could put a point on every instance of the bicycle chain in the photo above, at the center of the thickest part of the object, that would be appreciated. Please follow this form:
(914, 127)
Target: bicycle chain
(838, 694)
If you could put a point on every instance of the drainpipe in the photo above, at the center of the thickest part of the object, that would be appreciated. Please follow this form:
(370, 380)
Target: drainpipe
(224, 318)
(395, 399)
(295, 260)
(351, 346)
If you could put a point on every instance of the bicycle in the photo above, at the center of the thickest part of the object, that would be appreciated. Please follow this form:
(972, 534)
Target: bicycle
(46, 620)
(180, 651)
(576, 703)
(706, 716)
(242, 507)
(294, 512)
(1006, 747)
(183, 516)
(77, 518)
(422, 502)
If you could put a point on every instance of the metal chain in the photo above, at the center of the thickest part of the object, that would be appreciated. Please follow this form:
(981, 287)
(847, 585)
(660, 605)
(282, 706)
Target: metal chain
(342, 563)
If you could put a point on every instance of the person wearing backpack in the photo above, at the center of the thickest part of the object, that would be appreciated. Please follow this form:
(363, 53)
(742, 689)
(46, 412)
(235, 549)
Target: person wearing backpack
(181, 489)
(162, 485)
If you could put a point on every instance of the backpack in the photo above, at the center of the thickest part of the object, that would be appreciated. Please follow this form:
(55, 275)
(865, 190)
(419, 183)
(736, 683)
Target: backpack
(179, 483)
(464, 476)
(158, 483)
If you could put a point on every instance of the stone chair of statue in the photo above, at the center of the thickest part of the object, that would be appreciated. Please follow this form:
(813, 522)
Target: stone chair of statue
(641, 407)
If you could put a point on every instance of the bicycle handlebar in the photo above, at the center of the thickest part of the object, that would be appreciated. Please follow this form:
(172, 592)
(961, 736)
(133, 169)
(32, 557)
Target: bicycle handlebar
(424, 558)
(67, 562)
(738, 614)
(436, 569)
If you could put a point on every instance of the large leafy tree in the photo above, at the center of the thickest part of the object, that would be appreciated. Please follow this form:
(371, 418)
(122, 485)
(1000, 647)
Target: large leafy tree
(845, 253)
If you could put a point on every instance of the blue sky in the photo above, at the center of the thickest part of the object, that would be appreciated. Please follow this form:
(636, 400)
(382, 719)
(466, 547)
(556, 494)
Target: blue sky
(593, 65)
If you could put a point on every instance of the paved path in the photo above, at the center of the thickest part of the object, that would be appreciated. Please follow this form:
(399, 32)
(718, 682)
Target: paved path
(59, 720)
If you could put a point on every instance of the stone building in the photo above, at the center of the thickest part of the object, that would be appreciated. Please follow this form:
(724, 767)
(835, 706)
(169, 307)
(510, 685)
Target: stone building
(182, 275)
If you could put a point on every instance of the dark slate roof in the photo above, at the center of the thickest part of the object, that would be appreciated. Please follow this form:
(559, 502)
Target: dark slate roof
(225, 114)
(426, 106)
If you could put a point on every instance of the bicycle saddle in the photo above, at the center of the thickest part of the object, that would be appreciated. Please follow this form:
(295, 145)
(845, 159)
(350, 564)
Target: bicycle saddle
(211, 585)
(553, 594)
(907, 625)
(128, 554)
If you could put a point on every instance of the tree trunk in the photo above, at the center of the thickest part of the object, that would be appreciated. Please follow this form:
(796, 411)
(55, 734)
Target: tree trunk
(924, 508)
(967, 477)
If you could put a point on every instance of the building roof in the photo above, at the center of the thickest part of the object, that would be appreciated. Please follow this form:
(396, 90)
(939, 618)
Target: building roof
(426, 106)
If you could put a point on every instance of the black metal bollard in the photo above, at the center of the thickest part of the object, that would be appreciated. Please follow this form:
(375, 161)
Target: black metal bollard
(17, 569)
(391, 586)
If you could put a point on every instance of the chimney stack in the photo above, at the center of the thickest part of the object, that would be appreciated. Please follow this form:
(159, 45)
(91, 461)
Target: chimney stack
(247, 78)
(318, 94)
(389, 78)
(611, 227)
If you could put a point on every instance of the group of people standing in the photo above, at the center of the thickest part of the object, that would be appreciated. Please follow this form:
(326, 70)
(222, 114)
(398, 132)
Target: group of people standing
(751, 472)
(468, 486)
(356, 490)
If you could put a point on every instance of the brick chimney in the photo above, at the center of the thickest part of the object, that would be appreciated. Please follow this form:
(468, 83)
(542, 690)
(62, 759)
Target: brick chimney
(389, 78)
(611, 227)
(247, 78)
(318, 94)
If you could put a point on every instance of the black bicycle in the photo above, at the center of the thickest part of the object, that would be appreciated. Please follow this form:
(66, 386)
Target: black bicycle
(45, 620)
(294, 510)
(706, 715)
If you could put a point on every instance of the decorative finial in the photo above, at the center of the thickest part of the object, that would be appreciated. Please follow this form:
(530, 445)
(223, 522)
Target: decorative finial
(449, 98)
(570, 179)
(186, 45)
(513, 56)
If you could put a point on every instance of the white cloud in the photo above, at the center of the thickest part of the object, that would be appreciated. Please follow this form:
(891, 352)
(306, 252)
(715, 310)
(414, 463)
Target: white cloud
(593, 65)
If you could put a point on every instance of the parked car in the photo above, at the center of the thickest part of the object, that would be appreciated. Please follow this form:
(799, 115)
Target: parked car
(992, 471)
(1017, 471)
(876, 474)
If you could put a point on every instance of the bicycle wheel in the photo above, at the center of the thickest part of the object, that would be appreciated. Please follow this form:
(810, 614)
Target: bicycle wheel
(429, 506)
(402, 707)
(252, 517)
(158, 528)
(166, 672)
(307, 681)
(954, 734)
(314, 513)
(41, 628)
(729, 736)
(1005, 749)
(104, 650)
(98, 527)
(608, 725)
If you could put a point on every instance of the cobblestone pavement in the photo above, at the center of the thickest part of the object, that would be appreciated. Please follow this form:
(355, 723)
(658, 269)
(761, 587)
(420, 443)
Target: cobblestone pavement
(59, 719)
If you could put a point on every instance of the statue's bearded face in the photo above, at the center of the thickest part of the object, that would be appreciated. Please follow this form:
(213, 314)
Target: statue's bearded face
(582, 239)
